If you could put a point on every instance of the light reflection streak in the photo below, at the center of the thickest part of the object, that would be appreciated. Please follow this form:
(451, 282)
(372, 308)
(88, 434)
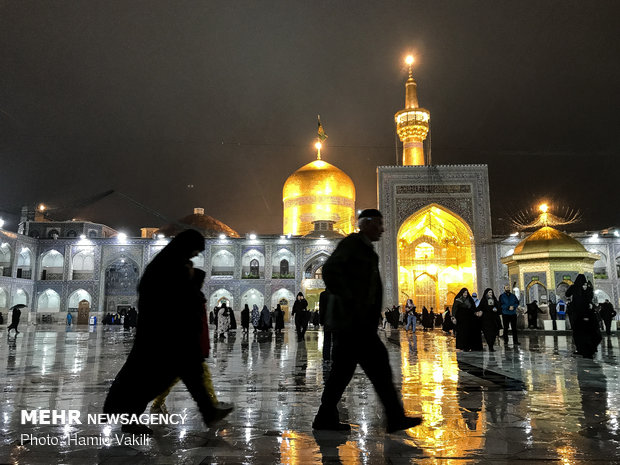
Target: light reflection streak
(430, 387)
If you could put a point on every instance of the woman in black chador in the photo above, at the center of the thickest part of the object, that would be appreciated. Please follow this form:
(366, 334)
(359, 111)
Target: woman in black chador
(447, 325)
(490, 319)
(300, 310)
(279, 317)
(586, 330)
(532, 314)
(165, 348)
(467, 322)
(427, 321)
(265, 319)
(245, 318)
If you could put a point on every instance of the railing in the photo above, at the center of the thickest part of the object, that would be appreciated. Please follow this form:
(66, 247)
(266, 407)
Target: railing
(282, 276)
(47, 276)
(83, 275)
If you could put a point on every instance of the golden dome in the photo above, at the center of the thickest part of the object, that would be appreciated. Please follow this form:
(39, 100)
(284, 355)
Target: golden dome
(318, 191)
(547, 240)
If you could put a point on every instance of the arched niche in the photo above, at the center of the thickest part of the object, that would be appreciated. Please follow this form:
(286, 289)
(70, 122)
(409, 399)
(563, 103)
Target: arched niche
(48, 301)
(216, 298)
(536, 291)
(52, 264)
(601, 296)
(83, 264)
(77, 296)
(313, 264)
(121, 277)
(283, 264)
(435, 257)
(426, 291)
(222, 263)
(24, 264)
(20, 297)
(4, 299)
(253, 264)
(251, 297)
(282, 294)
(6, 259)
(286, 299)
(600, 266)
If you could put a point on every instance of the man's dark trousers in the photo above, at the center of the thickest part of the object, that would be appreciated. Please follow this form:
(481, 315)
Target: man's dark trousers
(512, 320)
(367, 350)
(327, 344)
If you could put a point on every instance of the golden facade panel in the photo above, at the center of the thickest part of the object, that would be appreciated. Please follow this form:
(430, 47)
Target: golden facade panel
(435, 258)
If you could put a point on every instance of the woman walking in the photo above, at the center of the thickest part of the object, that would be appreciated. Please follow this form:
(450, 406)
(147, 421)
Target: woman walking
(255, 317)
(245, 318)
(265, 319)
(491, 323)
(300, 310)
(279, 317)
(165, 348)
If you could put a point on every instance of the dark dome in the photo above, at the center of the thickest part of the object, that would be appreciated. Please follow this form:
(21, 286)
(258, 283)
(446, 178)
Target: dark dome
(205, 224)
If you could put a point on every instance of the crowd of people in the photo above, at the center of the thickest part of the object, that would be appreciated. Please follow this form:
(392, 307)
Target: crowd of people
(472, 319)
(224, 320)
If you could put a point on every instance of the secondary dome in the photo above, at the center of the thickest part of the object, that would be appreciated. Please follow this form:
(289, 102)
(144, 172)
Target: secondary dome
(205, 224)
(549, 240)
(318, 191)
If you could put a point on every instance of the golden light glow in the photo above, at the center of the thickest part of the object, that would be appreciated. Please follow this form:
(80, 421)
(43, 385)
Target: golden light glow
(318, 146)
(409, 60)
(435, 258)
(543, 208)
(318, 191)
(42, 207)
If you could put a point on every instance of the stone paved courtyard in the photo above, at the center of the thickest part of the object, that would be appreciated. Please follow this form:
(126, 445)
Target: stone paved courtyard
(535, 404)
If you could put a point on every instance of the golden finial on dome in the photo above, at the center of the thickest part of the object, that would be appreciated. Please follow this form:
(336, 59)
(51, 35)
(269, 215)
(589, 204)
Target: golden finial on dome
(318, 147)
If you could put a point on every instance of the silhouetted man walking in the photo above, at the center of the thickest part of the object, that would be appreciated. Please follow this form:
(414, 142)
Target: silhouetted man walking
(354, 310)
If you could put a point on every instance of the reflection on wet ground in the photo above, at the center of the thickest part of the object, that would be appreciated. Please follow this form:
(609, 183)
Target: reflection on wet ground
(534, 404)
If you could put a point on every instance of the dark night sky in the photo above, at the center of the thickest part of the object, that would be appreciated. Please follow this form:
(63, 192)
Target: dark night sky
(147, 97)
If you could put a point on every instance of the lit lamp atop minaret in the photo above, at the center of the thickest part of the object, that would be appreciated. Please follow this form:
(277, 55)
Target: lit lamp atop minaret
(412, 123)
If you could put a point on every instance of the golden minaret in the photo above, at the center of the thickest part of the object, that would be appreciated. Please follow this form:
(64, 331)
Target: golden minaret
(412, 123)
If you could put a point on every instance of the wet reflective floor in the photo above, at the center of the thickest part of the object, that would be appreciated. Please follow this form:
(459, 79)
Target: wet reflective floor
(534, 404)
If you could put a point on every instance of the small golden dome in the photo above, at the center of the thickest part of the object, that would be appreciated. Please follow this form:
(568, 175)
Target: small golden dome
(548, 239)
(318, 191)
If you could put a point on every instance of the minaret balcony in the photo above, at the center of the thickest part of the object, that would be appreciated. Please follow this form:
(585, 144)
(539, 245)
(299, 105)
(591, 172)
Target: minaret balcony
(412, 124)
(417, 116)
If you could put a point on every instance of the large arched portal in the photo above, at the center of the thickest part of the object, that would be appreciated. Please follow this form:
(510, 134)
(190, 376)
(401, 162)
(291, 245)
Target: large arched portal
(435, 257)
